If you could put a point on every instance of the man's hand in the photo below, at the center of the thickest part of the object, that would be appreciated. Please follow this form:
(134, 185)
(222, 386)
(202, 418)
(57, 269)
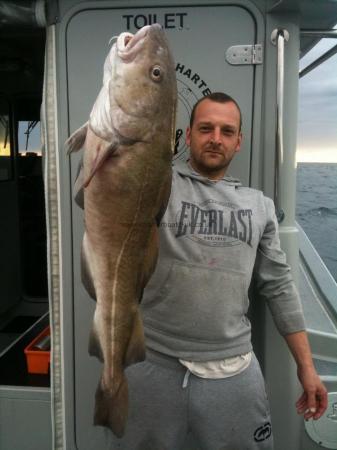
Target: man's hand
(314, 400)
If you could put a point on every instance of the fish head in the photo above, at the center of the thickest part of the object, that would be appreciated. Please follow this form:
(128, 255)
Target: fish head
(142, 87)
(137, 102)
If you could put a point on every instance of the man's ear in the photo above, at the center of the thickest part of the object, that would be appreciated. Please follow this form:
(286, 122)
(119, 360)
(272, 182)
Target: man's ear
(188, 136)
(238, 145)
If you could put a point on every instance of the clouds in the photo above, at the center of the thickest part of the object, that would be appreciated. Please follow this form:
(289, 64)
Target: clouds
(317, 114)
(320, 85)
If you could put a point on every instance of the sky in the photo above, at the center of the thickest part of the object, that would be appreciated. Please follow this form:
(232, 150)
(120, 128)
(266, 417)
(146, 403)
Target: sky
(317, 113)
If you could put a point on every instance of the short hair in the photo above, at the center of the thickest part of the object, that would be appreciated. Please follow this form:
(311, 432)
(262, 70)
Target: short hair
(218, 97)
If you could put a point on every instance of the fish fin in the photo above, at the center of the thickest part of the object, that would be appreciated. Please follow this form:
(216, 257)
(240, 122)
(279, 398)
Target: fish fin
(76, 140)
(102, 155)
(94, 347)
(111, 407)
(125, 140)
(78, 186)
(86, 274)
(136, 347)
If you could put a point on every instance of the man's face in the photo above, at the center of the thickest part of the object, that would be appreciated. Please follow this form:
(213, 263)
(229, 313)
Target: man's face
(214, 138)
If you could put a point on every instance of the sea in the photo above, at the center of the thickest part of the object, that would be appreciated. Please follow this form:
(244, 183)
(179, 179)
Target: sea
(316, 209)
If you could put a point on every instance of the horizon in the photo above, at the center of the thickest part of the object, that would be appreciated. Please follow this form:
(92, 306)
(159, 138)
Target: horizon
(315, 162)
(316, 155)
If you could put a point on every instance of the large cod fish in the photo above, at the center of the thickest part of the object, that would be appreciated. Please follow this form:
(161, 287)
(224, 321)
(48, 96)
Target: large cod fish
(126, 178)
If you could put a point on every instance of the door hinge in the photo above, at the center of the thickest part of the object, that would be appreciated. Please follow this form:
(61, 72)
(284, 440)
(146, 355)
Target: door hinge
(245, 54)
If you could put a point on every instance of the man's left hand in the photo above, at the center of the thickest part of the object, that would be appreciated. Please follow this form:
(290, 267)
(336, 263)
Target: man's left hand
(314, 400)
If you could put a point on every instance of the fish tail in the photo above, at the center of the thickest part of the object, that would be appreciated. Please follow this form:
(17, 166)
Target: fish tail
(111, 407)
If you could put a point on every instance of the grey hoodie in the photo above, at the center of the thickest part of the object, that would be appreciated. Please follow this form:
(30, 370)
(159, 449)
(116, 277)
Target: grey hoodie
(214, 237)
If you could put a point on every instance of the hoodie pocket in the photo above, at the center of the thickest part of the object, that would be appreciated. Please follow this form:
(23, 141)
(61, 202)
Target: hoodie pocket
(200, 303)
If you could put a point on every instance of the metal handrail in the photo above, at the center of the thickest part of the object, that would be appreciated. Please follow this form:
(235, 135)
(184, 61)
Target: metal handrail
(319, 33)
(278, 37)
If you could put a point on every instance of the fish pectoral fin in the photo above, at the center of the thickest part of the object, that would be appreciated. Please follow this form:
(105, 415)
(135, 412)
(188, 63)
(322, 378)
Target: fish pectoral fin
(126, 140)
(103, 154)
(78, 187)
(136, 347)
(76, 141)
(111, 406)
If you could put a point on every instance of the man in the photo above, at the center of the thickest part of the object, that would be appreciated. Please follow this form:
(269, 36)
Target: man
(201, 375)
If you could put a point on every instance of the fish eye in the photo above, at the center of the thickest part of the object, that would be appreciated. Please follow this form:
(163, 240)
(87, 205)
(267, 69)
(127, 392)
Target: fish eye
(156, 73)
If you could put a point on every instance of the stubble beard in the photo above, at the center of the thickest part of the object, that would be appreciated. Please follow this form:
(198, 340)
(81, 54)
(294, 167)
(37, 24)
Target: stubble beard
(212, 166)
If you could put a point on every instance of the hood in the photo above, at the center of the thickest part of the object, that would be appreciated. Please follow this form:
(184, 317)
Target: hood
(184, 168)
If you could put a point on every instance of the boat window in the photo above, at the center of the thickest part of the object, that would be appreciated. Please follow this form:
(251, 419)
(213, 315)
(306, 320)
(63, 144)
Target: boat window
(5, 147)
(32, 210)
(316, 209)
(29, 136)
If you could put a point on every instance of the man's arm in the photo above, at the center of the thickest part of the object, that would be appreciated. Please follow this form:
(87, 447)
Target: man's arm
(275, 284)
(314, 400)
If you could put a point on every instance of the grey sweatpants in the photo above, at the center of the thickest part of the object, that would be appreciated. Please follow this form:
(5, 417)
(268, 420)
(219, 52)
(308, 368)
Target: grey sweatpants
(166, 402)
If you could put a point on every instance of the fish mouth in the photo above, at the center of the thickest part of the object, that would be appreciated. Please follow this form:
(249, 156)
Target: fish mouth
(128, 44)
